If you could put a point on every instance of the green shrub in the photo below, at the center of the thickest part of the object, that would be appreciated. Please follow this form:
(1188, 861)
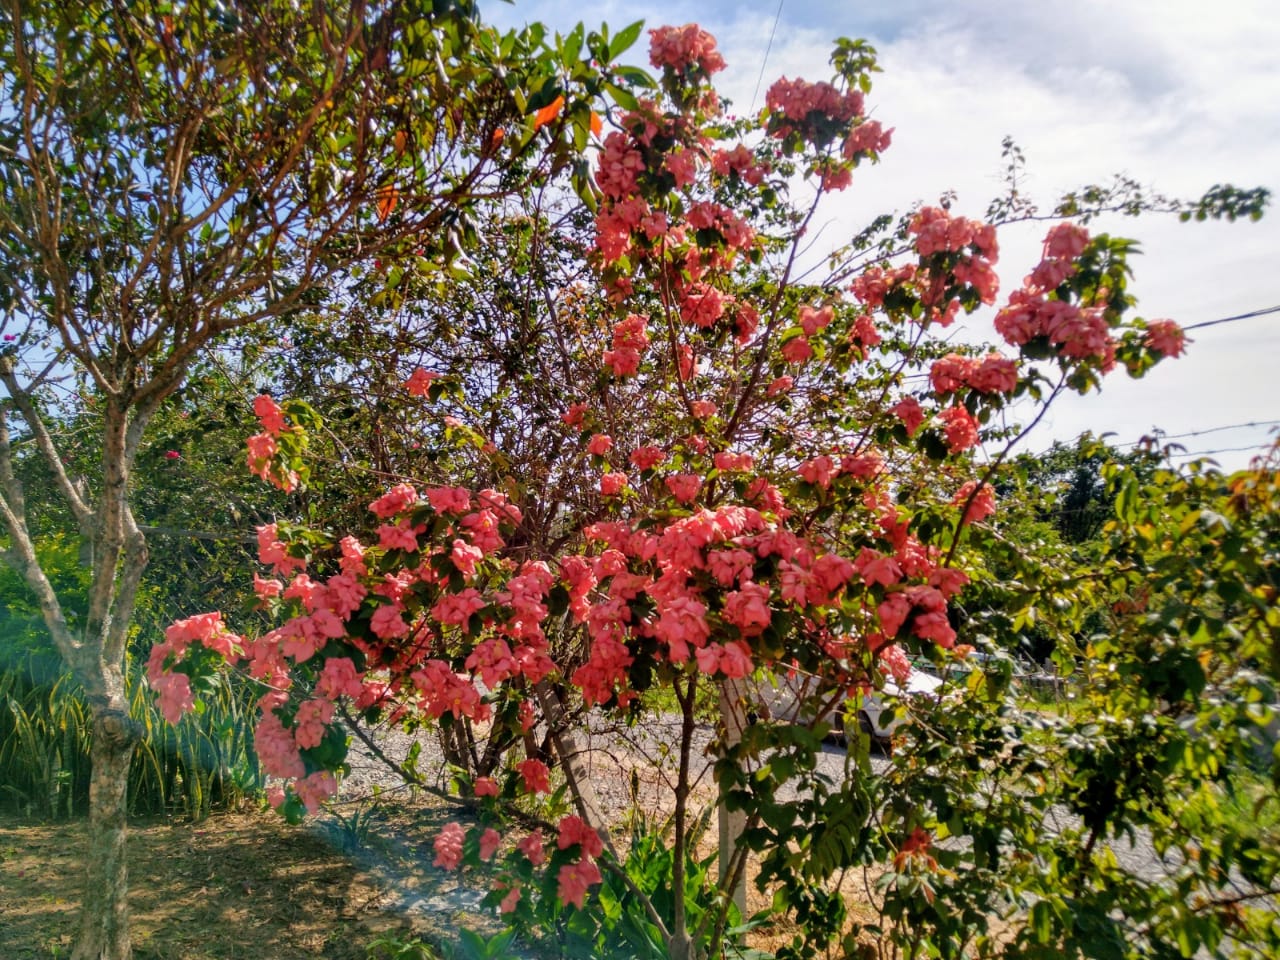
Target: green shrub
(204, 762)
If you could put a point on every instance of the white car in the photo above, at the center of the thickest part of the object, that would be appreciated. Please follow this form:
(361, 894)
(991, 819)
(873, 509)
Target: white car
(883, 711)
(796, 698)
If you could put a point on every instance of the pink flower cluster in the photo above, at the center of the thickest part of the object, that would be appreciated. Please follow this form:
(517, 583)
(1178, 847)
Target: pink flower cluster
(821, 471)
(269, 415)
(173, 688)
(684, 486)
(619, 166)
(936, 231)
(797, 100)
(956, 254)
(818, 471)
(1166, 338)
(535, 775)
(990, 374)
(977, 502)
(1063, 243)
(875, 283)
(909, 411)
(742, 162)
(647, 457)
(612, 484)
(959, 428)
(706, 215)
(701, 305)
(868, 137)
(685, 48)
(630, 340)
(925, 606)
(1080, 333)
(419, 382)
(813, 319)
(728, 461)
(263, 447)
(448, 846)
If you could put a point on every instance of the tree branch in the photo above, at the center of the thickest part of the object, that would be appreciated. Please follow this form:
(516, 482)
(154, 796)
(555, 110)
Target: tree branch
(44, 443)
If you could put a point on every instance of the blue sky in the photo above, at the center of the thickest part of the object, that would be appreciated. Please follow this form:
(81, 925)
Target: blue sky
(1176, 94)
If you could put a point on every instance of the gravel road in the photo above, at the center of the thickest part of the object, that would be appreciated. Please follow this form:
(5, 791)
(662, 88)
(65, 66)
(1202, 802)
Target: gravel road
(637, 766)
(628, 768)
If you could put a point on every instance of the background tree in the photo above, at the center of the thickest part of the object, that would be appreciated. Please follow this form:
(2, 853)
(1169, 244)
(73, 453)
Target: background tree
(170, 175)
(1079, 503)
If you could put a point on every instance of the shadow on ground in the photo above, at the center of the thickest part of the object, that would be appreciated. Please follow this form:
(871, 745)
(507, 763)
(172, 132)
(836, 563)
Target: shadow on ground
(235, 887)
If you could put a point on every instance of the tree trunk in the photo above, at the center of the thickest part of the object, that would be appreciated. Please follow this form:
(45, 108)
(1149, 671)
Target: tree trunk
(733, 716)
(104, 917)
(573, 765)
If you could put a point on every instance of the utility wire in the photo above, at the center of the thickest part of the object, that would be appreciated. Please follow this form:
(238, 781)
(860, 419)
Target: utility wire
(768, 47)
(1161, 437)
(1209, 453)
(1242, 316)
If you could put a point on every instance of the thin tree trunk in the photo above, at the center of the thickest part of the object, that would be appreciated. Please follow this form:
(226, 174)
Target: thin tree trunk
(104, 918)
(681, 945)
(733, 717)
(578, 776)
(573, 764)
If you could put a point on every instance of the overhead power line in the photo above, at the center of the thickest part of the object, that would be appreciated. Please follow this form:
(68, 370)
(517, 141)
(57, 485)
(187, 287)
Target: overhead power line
(1241, 316)
(1209, 453)
(767, 48)
(1161, 437)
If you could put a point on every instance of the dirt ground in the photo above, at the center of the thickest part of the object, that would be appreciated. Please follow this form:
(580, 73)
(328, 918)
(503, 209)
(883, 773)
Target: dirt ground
(247, 886)
(235, 886)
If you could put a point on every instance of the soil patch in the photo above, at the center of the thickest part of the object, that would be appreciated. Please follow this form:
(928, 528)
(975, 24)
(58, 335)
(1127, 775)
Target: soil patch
(240, 886)
(247, 885)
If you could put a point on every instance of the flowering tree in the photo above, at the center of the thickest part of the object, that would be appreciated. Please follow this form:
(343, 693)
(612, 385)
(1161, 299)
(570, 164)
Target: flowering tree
(170, 174)
(782, 483)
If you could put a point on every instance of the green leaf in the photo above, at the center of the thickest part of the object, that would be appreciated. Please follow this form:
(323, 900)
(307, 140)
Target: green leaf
(1042, 921)
(625, 38)
(623, 98)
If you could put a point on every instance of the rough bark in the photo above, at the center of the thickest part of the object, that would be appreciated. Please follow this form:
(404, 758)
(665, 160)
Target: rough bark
(95, 654)
(104, 916)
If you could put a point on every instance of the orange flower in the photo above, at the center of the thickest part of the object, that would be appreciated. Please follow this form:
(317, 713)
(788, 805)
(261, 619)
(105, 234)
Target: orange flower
(387, 198)
(548, 113)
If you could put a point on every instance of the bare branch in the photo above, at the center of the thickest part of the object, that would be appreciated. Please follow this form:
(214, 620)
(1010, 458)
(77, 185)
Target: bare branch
(22, 555)
(44, 443)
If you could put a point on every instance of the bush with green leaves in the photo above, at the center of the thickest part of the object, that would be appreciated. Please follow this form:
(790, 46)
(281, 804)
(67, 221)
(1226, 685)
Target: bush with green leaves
(46, 736)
